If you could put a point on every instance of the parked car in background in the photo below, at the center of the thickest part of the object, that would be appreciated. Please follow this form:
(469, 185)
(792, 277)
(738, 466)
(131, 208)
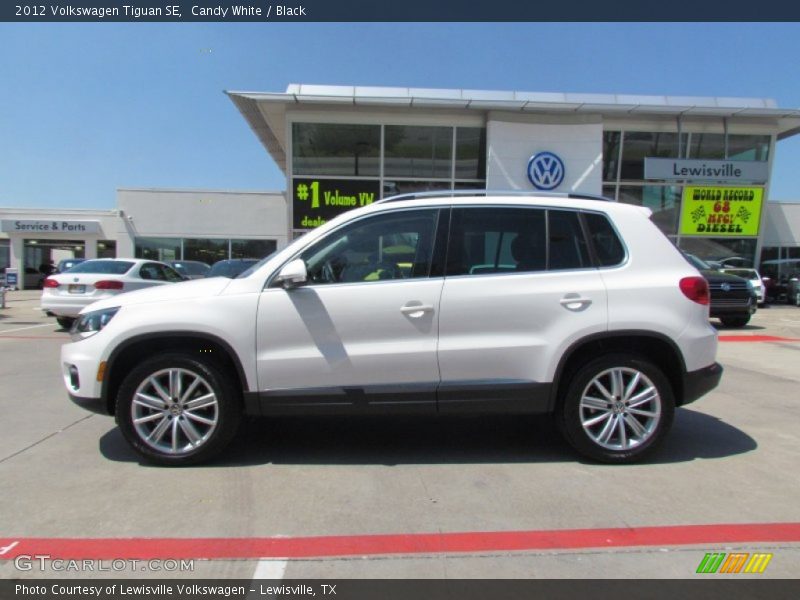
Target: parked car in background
(793, 289)
(733, 299)
(753, 277)
(776, 275)
(191, 269)
(65, 294)
(68, 263)
(231, 268)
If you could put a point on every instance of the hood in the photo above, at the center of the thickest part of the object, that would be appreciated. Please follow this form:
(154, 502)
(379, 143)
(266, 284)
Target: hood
(185, 290)
(718, 277)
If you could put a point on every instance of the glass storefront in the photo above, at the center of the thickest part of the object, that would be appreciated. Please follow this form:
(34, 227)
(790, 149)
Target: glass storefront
(337, 167)
(205, 250)
(163, 249)
(5, 255)
(326, 149)
(208, 250)
(623, 180)
(252, 248)
(107, 249)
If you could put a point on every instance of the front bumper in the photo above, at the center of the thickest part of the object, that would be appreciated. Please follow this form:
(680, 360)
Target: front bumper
(80, 363)
(733, 308)
(95, 405)
(700, 382)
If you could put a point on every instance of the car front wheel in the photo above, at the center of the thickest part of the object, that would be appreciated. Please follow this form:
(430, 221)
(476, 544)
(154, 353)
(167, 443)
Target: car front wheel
(616, 409)
(178, 409)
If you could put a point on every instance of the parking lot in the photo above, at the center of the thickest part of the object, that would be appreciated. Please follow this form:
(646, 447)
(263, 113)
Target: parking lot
(456, 498)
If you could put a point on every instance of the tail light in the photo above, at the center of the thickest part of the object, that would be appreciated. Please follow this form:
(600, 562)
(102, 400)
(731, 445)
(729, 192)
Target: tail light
(50, 283)
(696, 289)
(108, 285)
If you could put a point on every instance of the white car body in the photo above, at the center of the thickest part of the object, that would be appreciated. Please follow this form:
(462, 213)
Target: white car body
(76, 288)
(429, 344)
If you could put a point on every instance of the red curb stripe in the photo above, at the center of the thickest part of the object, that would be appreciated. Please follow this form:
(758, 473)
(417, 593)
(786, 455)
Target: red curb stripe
(415, 543)
(755, 338)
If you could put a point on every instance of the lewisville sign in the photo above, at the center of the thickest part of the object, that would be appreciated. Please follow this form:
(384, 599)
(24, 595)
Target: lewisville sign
(677, 169)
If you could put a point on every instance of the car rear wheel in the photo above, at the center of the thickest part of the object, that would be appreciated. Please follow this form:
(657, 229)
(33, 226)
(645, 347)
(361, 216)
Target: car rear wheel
(735, 321)
(178, 409)
(65, 322)
(617, 409)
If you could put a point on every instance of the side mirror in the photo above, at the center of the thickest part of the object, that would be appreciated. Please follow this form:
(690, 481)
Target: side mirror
(292, 274)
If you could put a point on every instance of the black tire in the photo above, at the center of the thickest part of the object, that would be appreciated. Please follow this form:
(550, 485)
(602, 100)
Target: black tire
(735, 321)
(65, 322)
(570, 414)
(214, 380)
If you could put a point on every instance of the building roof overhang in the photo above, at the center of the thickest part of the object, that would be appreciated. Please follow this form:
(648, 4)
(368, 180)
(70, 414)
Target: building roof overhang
(265, 112)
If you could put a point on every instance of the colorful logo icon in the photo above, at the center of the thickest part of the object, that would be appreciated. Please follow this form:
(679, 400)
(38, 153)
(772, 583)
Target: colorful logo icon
(545, 171)
(735, 562)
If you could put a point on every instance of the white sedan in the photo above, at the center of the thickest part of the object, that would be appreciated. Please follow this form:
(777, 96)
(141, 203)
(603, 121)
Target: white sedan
(66, 294)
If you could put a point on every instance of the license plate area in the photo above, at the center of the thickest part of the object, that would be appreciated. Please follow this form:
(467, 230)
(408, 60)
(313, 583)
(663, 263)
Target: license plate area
(76, 289)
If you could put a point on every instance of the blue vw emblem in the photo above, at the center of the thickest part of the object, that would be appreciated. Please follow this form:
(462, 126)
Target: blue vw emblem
(545, 170)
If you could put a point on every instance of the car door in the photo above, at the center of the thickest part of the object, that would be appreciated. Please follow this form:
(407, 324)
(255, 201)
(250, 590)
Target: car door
(361, 333)
(519, 289)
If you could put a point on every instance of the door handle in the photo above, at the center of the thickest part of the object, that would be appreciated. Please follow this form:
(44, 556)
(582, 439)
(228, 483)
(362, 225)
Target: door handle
(575, 302)
(416, 310)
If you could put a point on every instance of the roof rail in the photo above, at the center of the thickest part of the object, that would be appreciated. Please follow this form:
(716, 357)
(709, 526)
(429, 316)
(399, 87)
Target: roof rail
(483, 192)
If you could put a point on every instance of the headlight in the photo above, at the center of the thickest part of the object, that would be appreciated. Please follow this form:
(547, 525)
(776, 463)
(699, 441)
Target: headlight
(90, 323)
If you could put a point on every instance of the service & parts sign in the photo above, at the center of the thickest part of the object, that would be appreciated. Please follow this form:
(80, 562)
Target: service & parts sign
(721, 210)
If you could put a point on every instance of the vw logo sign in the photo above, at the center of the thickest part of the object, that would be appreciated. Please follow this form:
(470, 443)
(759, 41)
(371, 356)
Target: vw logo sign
(726, 287)
(545, 171)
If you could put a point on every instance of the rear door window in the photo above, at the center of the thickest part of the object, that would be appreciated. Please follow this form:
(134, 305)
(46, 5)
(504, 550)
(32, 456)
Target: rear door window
(496, 240)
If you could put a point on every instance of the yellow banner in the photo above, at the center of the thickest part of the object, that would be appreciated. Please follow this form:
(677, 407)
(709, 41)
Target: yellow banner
(721, 211)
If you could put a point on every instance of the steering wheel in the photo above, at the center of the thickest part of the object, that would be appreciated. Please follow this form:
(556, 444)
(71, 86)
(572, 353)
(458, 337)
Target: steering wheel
(327, 274)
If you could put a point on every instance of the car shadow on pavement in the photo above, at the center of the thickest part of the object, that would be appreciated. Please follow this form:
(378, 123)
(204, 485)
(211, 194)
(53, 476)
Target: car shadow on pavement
(452, 440)
(748, 327)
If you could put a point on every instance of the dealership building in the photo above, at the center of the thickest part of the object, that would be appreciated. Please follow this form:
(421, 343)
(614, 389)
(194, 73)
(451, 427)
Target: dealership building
(701, 164)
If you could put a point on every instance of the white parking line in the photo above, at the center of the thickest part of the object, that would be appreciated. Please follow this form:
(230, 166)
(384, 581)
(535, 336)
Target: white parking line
(269, 568)
(24, 328)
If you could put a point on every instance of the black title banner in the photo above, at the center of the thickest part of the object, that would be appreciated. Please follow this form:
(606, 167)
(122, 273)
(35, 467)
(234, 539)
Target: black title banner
(394, 589)
(408, 10)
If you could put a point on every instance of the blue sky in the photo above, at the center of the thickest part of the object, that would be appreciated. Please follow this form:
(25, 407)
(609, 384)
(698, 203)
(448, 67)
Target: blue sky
(88, 108)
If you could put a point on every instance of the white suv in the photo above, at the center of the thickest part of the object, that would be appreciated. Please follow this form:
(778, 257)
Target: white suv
(433, 304)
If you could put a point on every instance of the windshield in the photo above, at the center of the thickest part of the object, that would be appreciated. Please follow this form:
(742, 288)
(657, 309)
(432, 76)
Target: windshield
(105, 267)
(697, 263)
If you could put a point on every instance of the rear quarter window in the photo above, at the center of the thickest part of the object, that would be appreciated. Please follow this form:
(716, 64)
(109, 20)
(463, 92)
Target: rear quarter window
(607, 245)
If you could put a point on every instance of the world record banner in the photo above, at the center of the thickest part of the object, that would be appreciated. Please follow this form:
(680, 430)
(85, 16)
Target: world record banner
(721, 210)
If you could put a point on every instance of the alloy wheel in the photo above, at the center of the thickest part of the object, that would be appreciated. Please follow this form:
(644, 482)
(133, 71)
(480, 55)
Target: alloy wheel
(620, 408)
(174, 411)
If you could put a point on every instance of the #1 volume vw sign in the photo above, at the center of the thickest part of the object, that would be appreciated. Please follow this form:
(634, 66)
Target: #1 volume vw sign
(545, 171)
